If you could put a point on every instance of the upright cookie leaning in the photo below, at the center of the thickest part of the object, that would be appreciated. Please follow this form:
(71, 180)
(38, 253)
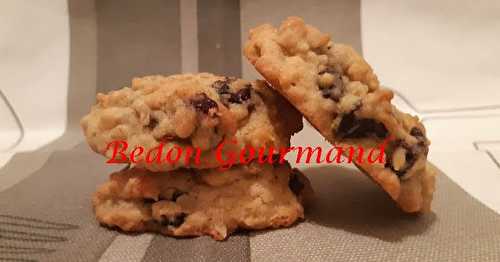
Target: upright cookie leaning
(338, 93)
(189, 112)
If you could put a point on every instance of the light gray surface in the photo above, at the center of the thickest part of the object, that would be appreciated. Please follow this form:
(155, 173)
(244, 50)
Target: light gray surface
(59, 192)
(236, 248)
(351, 219)
(136, 38)
(219, 37)
(134, 245)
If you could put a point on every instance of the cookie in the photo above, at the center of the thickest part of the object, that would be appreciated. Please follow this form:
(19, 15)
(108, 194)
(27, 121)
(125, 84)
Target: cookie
(189, 202)
(339, 94)
(180, 121)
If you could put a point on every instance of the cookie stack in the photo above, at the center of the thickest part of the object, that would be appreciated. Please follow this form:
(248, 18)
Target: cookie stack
(205, 121)
(331, 85)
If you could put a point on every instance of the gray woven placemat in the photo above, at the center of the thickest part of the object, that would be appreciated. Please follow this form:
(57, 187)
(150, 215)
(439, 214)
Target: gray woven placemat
(48, 217)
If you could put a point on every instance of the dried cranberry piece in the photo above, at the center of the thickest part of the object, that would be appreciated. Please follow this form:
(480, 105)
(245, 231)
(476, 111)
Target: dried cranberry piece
(174, 221)
(419, 135)
(241, 96)
(177, 194)
(295, 185)
(221, 86)
(336, 89)
(416, 132)
(152, 123)
(353, 127)
(203, 103)
(148, 201)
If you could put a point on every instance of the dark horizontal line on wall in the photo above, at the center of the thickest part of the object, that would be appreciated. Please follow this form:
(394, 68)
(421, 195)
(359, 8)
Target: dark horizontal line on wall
(444, 110)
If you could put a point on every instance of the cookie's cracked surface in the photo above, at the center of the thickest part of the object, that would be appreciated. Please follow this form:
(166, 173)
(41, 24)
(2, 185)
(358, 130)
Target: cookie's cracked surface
(338, 93)
(190, 110)
(203, 202)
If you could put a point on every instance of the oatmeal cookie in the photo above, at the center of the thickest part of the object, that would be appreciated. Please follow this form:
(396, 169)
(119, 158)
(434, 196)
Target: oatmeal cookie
(193, 202)
(187, 113)
(339, 94)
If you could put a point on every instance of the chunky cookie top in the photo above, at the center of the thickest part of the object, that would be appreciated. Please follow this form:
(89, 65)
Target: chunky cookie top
(190, 110)
(294, 41)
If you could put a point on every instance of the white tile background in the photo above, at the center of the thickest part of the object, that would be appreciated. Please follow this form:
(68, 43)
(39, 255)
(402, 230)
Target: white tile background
(450, 47)
(34, 63)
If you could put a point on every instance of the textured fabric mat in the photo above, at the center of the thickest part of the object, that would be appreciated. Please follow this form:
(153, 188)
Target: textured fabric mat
(48, 217)
(354, 220)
